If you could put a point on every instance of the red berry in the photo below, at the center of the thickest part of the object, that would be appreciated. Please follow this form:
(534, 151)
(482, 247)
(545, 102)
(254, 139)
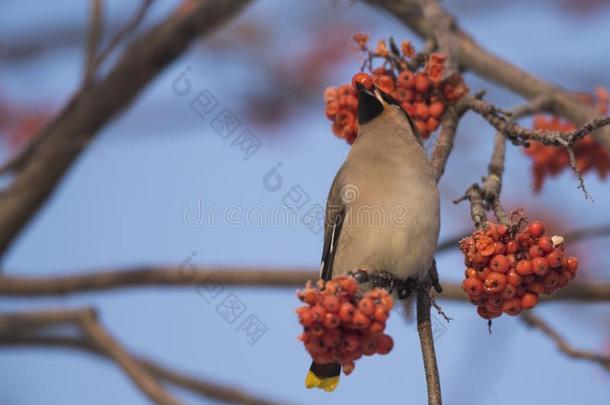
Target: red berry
(524, 267)
(529, 300)
(346, 312)
(406, 79)
(364, 79)
(351, 341)
(349, 285)
(512, 306)
(421, 83)
(509, 292)
(318, 312)
(331, 303)
(546, 244)
(512, 246)
(368, 344)
(536, 229)
(436, 109)
(473, 286)
(331, 320)
(360, 320)
(331, 338)
(540, 266)
(536, 287)
(305, 316)
(385, 344)
(555, 258)
(551, 280)
(535, 251)
(499, 263)
(495, 282)
(572, 264)
(381, 314)
(514, 278)
(367, 306)
(377, 327)
(470, 272)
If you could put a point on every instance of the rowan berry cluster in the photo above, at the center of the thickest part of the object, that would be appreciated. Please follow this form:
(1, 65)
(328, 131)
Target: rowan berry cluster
(421, 89)
(341, 324)
(550, 160)
(509, 267)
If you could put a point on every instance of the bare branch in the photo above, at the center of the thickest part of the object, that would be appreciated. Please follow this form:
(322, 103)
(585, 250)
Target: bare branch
(94, 36)
(444, 143)
(62, 140)
(472, 56)
(20, 286)
(207, 389)
(122, 34)
(535, 322)
(34, 321)
(426, 339)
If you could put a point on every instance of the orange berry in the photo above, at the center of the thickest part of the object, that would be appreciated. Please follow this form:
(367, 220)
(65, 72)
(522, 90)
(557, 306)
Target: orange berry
(499, 263)
(509, 292)
(318, 312)
(495, 282)
(436, 109)
(421, 110)
(551, 280)
(540, 266)
(377, 327)
(535, 251)
(384, 83)
(406, 79)
(536, 229)
(385, 343)
(421, 83)
(512, 246)
(513, 278)
(572, 264)
(364, 79)
(470, 272)
(368, 344)
(536, 287)
(331, 303)
(524, 267)
(349, 285)
(546, 244)
(367, 306)
(351, 341)
(305, 316)
(473, 286)
(381, 314)
(360, 320)
(348, 367)
(529, 300)
(346, 312)
(331, 338)
(331, 320)
(512, 306)
(555, 258)
(432, 124)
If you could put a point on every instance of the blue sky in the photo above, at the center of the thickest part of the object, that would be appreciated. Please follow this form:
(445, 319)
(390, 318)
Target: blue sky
(124, 204)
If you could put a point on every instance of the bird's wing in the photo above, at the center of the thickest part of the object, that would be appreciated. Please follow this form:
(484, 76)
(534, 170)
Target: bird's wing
(335, 212)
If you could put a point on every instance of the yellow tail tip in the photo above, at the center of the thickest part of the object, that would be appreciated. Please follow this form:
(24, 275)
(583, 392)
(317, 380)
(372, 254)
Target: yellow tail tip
(326, 384)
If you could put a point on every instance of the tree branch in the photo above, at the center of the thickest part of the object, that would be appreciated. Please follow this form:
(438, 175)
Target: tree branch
(535, 322)
(471, 56)
(86, 320)
(175, 276)
(426, 339)
(62, 140)
(207, 389)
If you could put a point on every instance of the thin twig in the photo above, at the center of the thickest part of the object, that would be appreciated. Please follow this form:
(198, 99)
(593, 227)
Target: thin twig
(426, 339)
(536, 322)
(122, 34)
(94, 35)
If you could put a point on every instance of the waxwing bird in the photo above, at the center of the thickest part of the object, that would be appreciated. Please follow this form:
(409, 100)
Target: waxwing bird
(383, 211)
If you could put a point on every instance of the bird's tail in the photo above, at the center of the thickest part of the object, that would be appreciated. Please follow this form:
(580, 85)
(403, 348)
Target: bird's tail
(323, 376)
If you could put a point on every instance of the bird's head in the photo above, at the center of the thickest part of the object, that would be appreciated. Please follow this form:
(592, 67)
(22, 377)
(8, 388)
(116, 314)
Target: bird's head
(373, 102)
